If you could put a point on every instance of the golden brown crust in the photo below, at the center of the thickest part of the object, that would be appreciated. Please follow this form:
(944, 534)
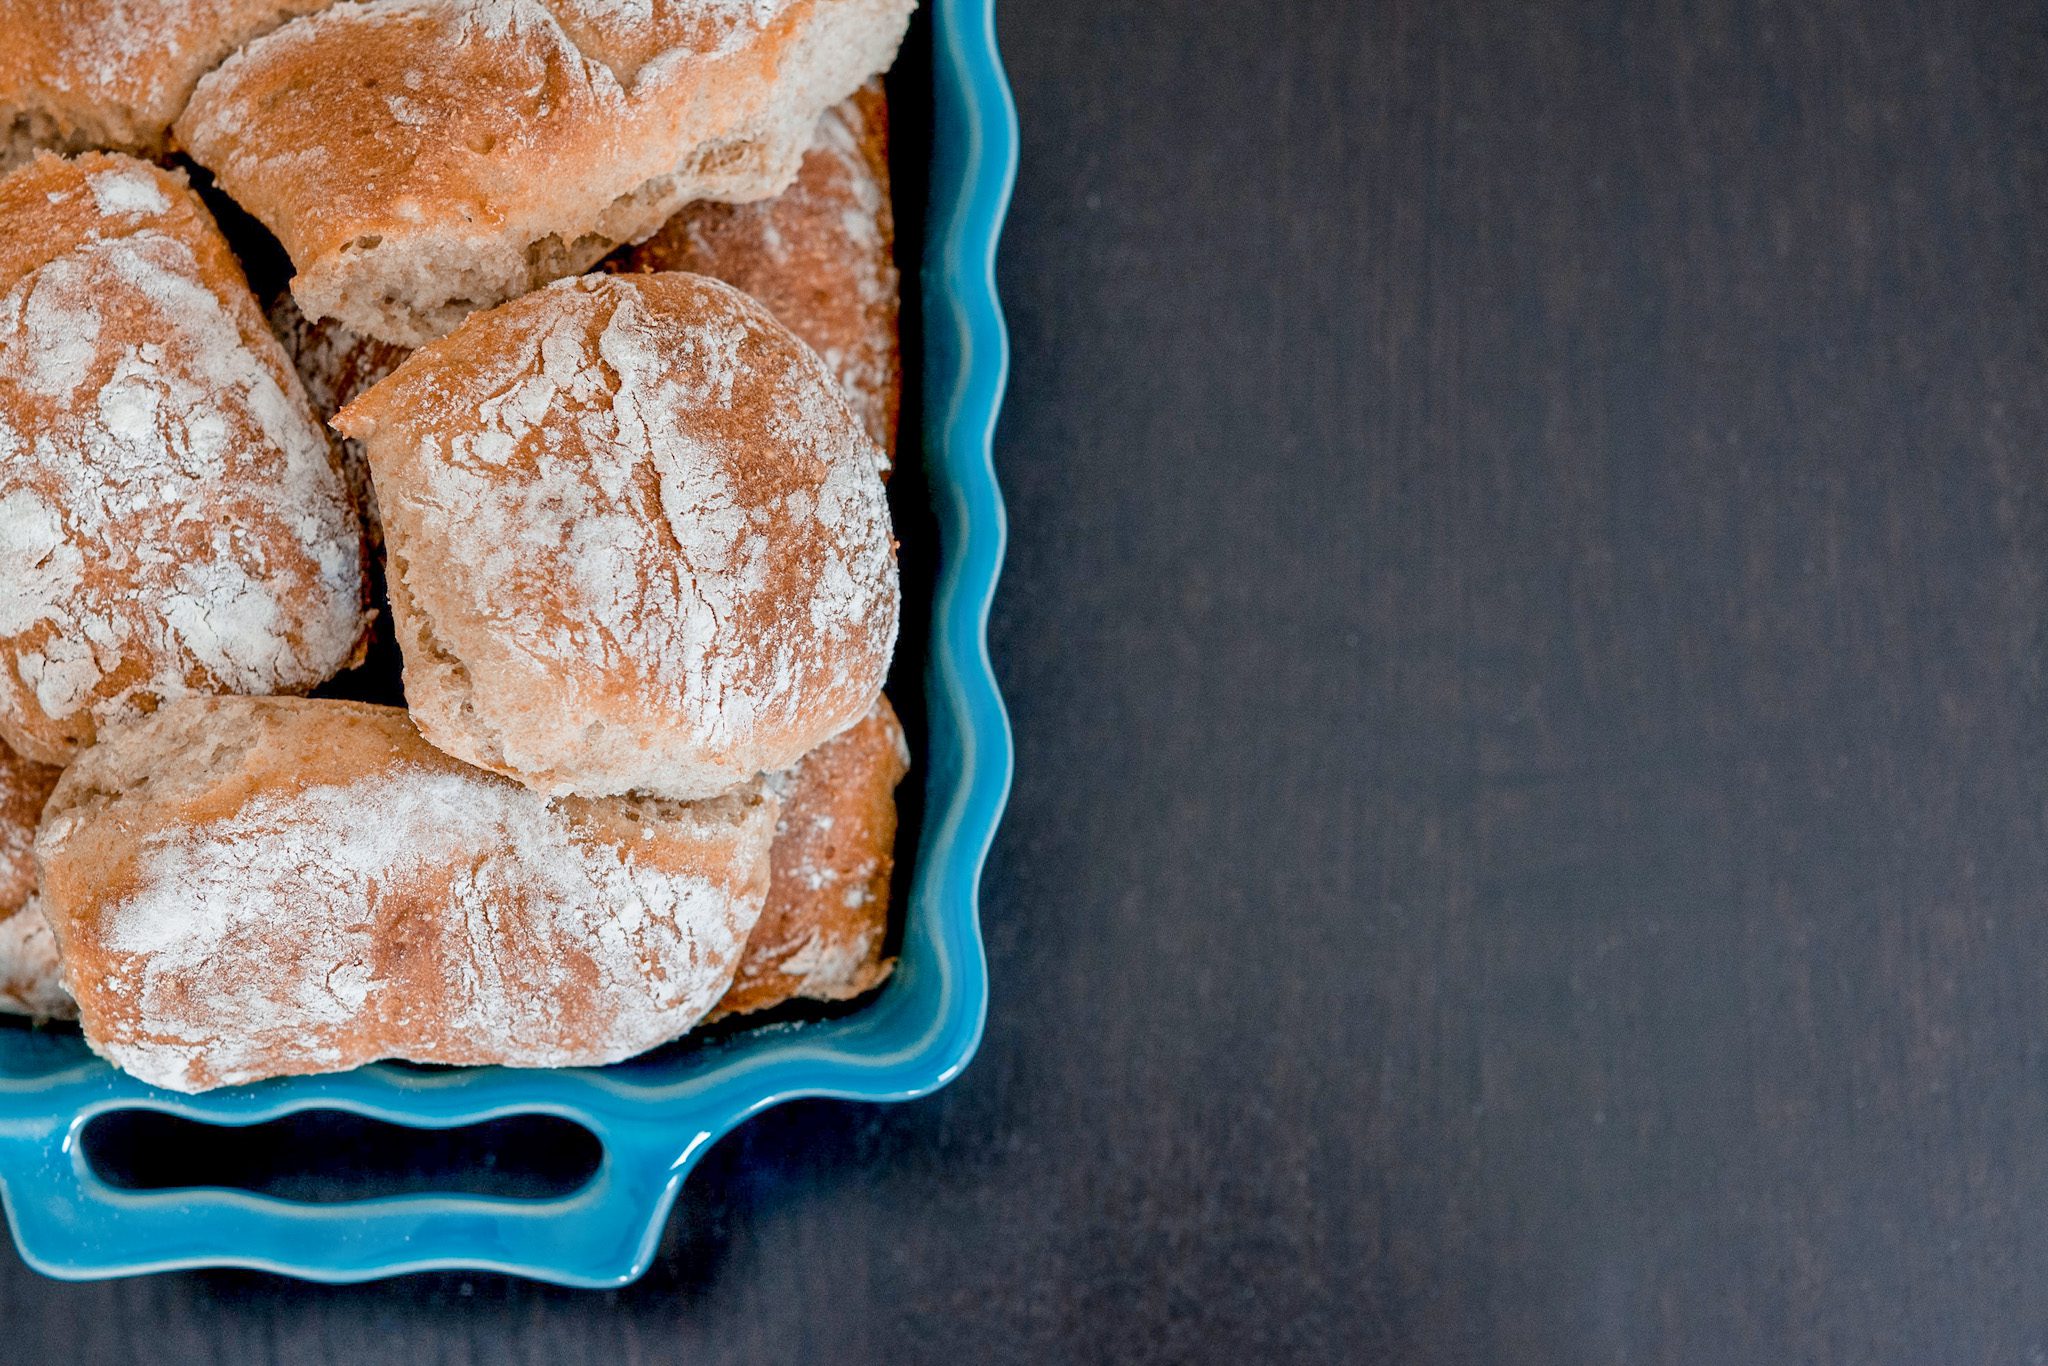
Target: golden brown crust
(28, 980)
(174, 522)
(419, 159)
(820, 255)
(821, 933)
(636, 540)
(257, 887)
(75, 76)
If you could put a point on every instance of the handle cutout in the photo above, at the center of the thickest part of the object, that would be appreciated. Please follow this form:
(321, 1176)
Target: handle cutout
(331, 1157)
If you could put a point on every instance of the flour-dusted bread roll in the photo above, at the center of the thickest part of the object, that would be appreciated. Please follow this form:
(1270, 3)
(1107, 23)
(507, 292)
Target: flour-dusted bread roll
(259, 887)
(80, 74)
(420, 159)
(335, 365)
(821, 255)
(635, 539)
(171, 519)
(29, 982)
(821, 933)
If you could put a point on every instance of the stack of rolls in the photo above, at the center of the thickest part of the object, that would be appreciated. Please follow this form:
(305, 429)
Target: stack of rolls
(627, 529)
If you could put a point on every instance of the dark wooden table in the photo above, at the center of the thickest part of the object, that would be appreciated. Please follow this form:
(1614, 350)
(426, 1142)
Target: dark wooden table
(1526, 636)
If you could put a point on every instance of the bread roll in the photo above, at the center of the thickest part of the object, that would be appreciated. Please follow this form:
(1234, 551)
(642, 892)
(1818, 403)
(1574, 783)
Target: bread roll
(820, 255)
(114, 73)
(335, 365)
(635, 539)
(419, 159)
(171, 520)
(260, 887)
(29, 983)
(821, 932)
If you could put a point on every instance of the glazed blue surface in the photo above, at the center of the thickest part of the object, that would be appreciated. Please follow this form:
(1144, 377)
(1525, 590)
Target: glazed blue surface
(657, 1115)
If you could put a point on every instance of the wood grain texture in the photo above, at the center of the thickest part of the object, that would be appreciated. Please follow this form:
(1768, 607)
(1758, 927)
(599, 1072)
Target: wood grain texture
(1525, 630)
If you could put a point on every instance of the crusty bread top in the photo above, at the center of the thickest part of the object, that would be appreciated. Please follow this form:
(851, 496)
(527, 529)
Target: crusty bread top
(626, 37)
(821, 255)
(402, 112)
(252, 887)
(636, 538)
(24, 787)
(821, 932)
(114, 73)
(419, 159)
(173, 520)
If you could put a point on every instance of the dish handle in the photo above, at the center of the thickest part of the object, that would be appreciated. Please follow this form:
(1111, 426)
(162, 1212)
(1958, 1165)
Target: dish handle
(73, 1224)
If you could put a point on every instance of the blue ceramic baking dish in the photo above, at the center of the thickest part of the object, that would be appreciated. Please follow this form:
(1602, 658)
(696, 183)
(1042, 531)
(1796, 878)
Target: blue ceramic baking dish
(655, 1116)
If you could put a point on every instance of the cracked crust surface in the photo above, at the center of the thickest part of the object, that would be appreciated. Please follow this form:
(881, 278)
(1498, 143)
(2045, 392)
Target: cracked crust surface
(114, 73)
(635, 539)
(172, 521)
(257, 887)
(420, 159)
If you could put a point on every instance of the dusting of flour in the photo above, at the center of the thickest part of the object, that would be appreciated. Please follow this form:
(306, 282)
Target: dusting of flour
(280, 929)
(632, 499)
(131, 190)
(170, 519)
